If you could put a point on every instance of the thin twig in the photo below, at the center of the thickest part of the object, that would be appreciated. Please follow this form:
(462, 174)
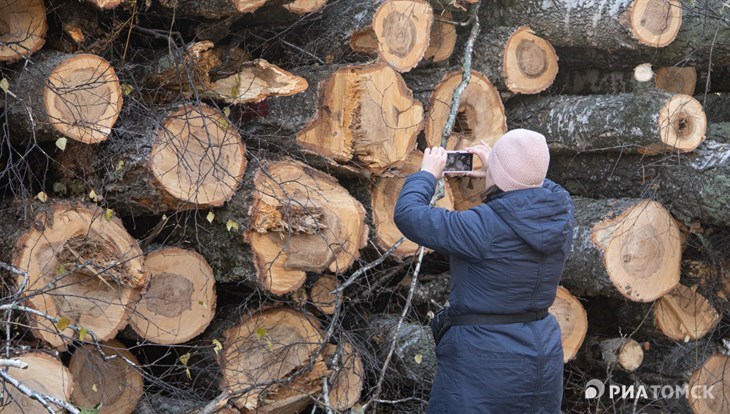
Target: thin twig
(13, 363)
(368, 266)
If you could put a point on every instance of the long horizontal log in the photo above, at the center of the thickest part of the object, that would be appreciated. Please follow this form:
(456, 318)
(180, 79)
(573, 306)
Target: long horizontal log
(652, 121)
(694, 187)
(614, 25)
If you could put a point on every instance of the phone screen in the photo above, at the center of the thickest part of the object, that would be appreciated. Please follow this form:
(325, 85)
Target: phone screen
(459, 161)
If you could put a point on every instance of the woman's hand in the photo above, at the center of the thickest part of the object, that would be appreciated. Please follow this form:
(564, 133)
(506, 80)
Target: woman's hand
(434, 161)
(482, 151)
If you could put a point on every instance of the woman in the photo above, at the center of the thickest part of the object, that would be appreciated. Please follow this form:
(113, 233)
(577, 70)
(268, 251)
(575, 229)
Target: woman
(506, 257)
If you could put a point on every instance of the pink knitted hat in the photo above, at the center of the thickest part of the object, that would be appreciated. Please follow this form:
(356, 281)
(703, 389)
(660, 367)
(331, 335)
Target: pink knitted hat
(519, 160)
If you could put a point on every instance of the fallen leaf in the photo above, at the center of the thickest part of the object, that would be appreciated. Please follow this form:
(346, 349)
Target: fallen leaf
(210, 216)
(63, 323)
(419, 359)
(4, 85)
(230, 224)
(42, 197)
(61, 143)
(217, 346)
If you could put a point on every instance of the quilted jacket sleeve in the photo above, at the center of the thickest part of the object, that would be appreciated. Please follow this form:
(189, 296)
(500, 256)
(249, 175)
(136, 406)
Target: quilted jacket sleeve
(461, 233)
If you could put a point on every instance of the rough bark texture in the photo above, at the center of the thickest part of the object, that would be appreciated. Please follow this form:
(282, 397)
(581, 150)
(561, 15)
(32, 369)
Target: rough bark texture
(626, 122)
(716, 105)
(693, 187)
(592, 81)
(602, 25)
(414, 358)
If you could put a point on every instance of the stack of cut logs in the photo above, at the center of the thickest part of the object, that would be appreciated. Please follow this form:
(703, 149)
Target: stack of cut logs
(187, 185)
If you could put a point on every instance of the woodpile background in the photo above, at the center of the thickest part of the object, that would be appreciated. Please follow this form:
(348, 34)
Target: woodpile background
(196, 196)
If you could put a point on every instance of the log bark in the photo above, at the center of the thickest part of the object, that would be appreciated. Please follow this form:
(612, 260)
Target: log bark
(188, 157)
(414, 358)
(716, 106)
(76, 96)
(515, 59)
(614, 25)
(628, 122)
(44, 374)
(114, 383)
(22, 28)
(362, 118)
(180, 299)
(212, 9)
(385, 192)
(268, 347)
(593, 81)
(92, 264)
(719, 132)
(623, 247)
(573, 322)
(693, 187)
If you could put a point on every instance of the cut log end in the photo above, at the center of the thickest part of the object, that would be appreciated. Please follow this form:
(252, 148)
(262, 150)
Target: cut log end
(682, 123)
(480, 116)
(573, 322)
(45, 375)
(97, 262)
(114, 383)
(677, 80)
(248, 6)
(347, 378)
(328, 238)
(256, 81)
(321, 294)
(106, 4)
(302, 7)
(443, 40)
(385, 193)
(198, 158)
(83, 98)
(530, 62)
(642, 251)
(371, 118)
(624, 353)
(180, 300)
(268, 347)
(711, 376)
(22, 28)
(403, 29)
(655, 23)
(684, 314)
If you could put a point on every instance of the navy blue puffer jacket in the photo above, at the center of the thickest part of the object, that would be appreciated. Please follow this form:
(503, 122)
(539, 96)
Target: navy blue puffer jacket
(506, 256)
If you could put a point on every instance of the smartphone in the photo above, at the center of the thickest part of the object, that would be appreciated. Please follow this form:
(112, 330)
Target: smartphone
(459, 162)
